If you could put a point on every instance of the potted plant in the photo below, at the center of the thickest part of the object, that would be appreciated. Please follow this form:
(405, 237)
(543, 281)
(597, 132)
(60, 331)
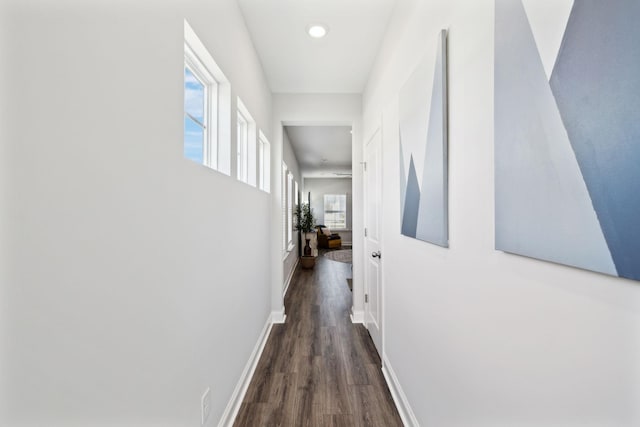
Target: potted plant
(305, 223)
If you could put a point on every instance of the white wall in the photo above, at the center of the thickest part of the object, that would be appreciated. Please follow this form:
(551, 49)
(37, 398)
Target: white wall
(127, 291)
(477, 337)
(322, 109)
(321, 186)
(291, 258)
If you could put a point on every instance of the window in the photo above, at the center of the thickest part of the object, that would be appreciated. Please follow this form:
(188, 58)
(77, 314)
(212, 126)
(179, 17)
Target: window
(246, 150)
(243, 149)
(264, 163)
(287, 208)
(207, 107)
(290, 210)
(295, 191)
(199, 90)
(284, 208)
(335, 211)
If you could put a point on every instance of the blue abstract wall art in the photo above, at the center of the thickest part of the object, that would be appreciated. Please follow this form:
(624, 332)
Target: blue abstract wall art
(423, 150)
(567, 133)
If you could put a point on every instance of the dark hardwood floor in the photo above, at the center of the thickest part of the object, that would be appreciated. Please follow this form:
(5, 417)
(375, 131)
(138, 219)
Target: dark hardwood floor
(318, 369)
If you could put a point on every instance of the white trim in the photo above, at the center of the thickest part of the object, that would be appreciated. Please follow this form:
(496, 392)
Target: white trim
(357, 316)
(400, 399)
(202, 53)
(231, 411)
(278, 316)
(288, 282)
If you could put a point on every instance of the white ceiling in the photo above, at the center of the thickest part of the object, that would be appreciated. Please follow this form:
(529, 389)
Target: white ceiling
(296, 63)
(322, 151)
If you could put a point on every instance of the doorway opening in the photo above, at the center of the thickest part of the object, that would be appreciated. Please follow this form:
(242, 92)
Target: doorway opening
(319, 158)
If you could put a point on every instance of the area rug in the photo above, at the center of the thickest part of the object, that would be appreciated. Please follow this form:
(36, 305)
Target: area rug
(344, 255)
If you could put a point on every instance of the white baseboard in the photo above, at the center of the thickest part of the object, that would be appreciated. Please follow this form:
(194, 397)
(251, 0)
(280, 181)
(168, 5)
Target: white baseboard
(400, 399)
(357, 316)
(278, 316)
(231, 411)
(288, 282)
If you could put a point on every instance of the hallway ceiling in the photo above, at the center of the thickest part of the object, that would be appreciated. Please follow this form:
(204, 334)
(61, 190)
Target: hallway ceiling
(322, 151)
(296, 63)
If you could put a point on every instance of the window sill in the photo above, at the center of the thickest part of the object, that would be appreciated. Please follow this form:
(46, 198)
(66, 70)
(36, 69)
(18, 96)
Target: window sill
(286, 253)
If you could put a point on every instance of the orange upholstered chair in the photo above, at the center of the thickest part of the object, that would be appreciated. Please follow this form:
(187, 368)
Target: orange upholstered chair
(327, 239)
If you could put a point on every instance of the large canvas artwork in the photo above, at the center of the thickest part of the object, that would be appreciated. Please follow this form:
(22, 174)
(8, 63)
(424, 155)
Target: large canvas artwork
(423, 150)
(567, 132)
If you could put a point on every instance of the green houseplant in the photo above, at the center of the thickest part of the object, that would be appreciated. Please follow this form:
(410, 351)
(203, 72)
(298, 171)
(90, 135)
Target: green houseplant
(305, 223)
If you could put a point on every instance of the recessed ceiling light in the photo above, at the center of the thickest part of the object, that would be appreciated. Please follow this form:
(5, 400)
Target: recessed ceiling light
(317, 30)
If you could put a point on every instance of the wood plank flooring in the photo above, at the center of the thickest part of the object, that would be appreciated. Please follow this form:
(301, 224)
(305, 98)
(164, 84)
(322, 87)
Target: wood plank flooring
(318, 369)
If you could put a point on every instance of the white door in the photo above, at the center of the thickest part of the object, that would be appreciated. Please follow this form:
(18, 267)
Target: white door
(373, 265)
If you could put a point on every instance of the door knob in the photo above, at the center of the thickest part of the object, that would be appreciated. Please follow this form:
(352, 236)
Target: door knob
(376, 254)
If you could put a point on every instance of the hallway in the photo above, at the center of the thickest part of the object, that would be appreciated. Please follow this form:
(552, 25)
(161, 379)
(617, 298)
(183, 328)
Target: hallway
(318, 368)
